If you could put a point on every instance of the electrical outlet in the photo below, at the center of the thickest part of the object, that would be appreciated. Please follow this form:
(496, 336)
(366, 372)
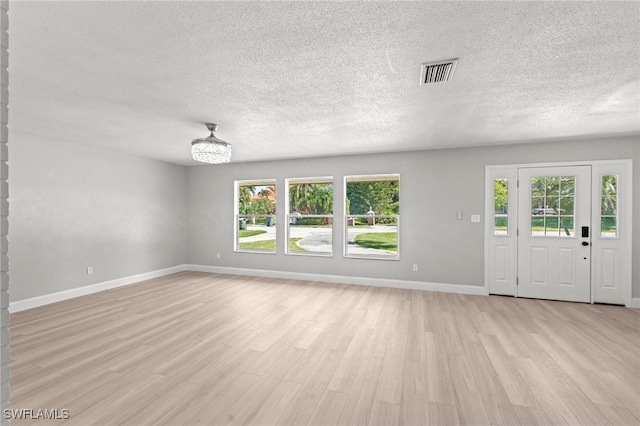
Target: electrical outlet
(217, 255)
(415, 267)
(90, 270)
(459, 215)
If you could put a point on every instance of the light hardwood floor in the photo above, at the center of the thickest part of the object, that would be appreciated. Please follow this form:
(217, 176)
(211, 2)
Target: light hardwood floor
(197, 348)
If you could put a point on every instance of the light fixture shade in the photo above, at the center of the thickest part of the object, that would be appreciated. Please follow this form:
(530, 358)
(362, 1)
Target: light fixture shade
(211, 150)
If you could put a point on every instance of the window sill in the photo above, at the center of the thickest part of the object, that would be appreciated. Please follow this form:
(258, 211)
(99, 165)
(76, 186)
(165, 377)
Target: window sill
(254, 251)
(312, 254)
(371, 257)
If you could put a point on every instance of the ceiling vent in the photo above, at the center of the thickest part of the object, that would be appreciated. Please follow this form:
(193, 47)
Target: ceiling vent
(438, 72)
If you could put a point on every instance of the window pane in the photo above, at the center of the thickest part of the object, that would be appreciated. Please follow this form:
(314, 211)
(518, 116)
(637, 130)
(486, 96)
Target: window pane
(501, 224)
(552, 206)
(567, 185)
(552, 198)
(257, 233)
(609, 185)
(372, 235)
(609, 206)
(501, 208)
(553, 186)
(382, 197)
(310, 216)
(256, 206)
(538, 187)
(566, 226)
(537, 205)
(551, 226)
(608, 226)
(257, 199)
(311, 198)
(566, 206)
(537, 225)
(310, 234)
(372, 211)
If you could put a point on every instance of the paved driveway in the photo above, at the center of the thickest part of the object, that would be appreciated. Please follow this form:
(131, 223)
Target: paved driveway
(320, 240)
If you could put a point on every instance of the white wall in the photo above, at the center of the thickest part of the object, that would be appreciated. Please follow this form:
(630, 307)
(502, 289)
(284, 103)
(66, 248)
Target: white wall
(433, 186)
(74, 206)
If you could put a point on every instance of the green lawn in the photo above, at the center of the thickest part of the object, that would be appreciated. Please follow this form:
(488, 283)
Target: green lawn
(538, 224)
(250, 233)
(293, 246)
(378, 240)
(270, 245)
(607, 224)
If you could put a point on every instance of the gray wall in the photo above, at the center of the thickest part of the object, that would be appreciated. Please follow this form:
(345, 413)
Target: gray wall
(433, 186)
(5, 364)
(636, 220)
(74, 206)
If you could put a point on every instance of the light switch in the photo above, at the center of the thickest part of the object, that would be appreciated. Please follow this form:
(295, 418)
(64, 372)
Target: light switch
(459, 215)
(475, 218)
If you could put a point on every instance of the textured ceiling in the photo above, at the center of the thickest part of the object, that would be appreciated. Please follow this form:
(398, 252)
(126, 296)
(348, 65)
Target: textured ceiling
(304, 79)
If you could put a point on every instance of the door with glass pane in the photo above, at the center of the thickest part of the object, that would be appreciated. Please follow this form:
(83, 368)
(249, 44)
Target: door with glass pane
(554, 235)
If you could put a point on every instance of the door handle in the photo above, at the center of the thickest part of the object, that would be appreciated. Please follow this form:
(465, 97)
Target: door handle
(585, 243)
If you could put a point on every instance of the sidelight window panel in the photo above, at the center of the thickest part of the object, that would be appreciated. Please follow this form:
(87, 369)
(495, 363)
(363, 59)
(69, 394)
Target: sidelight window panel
(609, 206)
(501, 207)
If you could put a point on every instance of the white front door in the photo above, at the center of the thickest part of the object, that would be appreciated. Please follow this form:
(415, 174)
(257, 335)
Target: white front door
(554, 235)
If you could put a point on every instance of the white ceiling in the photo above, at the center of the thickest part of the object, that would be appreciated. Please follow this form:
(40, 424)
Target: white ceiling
(288, 80)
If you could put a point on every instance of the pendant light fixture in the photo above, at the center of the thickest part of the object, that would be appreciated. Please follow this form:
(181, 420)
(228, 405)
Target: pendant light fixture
(211, 150)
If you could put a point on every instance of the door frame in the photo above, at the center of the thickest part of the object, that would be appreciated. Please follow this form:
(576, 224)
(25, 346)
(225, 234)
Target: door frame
(502, 250)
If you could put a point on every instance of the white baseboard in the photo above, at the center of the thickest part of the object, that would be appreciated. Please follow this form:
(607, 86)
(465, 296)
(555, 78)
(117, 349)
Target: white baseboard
(34, 302)
(339, 279)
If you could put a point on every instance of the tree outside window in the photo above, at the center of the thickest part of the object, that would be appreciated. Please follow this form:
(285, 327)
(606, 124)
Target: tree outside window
(255, 217)
(372, 208)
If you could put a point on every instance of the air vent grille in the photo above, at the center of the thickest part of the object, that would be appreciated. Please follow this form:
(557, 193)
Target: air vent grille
(438, 72)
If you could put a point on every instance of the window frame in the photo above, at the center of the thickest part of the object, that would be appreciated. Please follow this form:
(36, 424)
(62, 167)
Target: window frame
(346, 217)
(556, 210)
(290, 216)
(608, 235)
(508, 189)
(237, 216)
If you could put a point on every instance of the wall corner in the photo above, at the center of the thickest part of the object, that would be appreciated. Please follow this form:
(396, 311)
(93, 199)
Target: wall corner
(5, 354)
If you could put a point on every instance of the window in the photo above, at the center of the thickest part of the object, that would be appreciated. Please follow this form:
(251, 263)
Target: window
(310, 216)
(255, 217)
(372, 206)
(552, 201)
(609, 206)
(501, 206)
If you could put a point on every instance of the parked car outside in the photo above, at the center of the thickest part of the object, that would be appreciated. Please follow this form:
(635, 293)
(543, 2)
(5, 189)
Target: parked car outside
(543, 210)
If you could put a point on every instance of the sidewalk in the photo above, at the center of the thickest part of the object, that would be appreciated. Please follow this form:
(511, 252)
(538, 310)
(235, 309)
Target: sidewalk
(320, 240)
